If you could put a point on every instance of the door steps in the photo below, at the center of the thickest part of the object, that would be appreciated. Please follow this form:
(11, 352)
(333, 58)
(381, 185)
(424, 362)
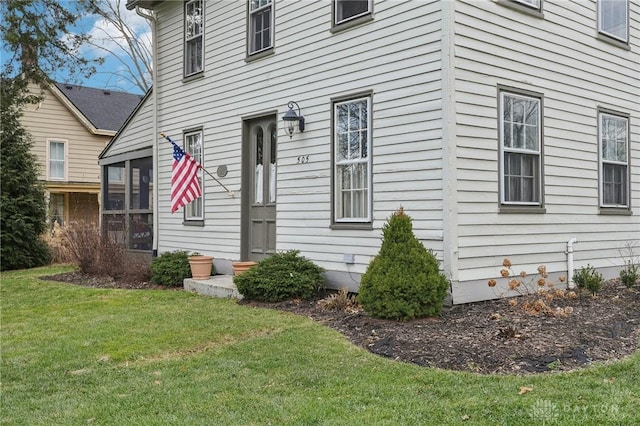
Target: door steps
(220, 286)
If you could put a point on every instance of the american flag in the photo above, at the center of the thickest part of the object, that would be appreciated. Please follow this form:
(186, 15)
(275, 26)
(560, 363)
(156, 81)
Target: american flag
(185, 186)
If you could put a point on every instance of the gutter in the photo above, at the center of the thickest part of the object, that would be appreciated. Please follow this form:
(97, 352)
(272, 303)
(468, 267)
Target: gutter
(149, 15)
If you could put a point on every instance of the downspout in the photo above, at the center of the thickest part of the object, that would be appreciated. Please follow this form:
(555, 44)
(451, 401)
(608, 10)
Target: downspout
(150, 16)
(569, 252)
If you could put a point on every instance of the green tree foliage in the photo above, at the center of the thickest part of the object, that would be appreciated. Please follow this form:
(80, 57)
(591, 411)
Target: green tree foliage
(34, 32)
(36, 35)
(23, 210)
(404, 280)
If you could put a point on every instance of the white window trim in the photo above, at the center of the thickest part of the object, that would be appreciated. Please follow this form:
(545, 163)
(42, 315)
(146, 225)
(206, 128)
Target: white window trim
(187, 216)
(270, 5)
(368, 161)
(608, 34)
(534, 4)
(502, 150)
(351, 18)
(602, 161)
(200, 35)
(65, 142)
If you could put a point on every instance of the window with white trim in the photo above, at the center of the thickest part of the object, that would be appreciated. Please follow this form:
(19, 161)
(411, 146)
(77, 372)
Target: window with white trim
(352, 160)
(193, 37)
(193, 145)
(261, 23)
(57, 160)
(535, 4)
(520, 150)
(614, 160)
(348, 10)
(613, 19)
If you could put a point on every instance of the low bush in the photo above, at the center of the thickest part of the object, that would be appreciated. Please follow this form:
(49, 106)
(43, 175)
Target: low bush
(404, 280)
(588, 278)
(630, 274)
(342, 300)
(281, 276)
(170, 268)
(97, 254)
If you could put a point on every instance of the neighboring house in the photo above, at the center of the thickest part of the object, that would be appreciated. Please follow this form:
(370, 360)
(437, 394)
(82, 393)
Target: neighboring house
(503, 128)
(70, 127)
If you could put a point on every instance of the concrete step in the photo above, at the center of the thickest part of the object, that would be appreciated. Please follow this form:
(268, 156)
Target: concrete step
(221, 286)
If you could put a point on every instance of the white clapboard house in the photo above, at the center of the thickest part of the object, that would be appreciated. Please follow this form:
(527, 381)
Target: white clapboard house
(503, 128)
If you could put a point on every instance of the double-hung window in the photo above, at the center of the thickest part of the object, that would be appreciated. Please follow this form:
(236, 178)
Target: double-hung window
(352, 160)
(614, 160)
(260, 26)
(349, 10)
(193, 145)
(613, 19)
(193, 37)
(520, 150)
(57, 160)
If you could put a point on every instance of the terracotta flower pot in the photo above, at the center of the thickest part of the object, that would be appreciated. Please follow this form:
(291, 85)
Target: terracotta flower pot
(201, 267)
(240, 267)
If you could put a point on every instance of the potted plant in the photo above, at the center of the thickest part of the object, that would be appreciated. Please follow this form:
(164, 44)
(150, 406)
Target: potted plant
(240, 267)
(201, 266)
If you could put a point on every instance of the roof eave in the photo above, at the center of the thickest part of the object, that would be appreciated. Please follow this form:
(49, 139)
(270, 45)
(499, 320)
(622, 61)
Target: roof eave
(145, 4)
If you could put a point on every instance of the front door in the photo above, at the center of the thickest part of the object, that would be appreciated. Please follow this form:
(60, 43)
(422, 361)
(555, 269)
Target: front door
(260, 163)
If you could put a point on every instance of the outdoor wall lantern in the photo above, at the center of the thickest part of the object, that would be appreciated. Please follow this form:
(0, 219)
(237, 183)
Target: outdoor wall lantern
(290, 118)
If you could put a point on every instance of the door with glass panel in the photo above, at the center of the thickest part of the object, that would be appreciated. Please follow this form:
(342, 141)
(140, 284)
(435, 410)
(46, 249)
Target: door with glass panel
(261, 150)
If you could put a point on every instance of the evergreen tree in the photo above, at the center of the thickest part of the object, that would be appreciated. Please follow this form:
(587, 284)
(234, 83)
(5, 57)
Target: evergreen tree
(34, 33)
(23, 209)
(404, 280)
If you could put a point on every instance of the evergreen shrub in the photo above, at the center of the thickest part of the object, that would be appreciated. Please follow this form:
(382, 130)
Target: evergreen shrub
(170, 268)
(281, 276)
(404, 280)
(588, 278)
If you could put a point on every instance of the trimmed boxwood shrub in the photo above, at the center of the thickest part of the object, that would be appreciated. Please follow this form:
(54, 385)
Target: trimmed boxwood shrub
(170, 268)
(404, 280)
(281, 276)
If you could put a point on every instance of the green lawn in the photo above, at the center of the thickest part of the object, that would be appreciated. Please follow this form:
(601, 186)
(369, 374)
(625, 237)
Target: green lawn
(73, 355)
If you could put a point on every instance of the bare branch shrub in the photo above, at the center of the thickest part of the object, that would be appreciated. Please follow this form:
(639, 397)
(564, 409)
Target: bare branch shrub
(340, 301)
(537, 292)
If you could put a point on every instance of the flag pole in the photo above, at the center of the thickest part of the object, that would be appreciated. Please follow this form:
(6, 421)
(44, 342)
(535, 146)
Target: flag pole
(205, 170)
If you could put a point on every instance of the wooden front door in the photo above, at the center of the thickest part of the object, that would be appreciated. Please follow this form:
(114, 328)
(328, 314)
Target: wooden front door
(260, 164)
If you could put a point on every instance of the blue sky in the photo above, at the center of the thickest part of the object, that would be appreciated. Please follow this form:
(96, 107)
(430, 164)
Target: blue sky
(113, 74)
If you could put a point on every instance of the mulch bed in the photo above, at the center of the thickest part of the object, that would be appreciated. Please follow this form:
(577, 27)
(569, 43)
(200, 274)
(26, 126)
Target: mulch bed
(484, 337)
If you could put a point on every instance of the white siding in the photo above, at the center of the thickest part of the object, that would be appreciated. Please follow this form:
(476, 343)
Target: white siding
(136, 133)
(561, 57)
(396, 55)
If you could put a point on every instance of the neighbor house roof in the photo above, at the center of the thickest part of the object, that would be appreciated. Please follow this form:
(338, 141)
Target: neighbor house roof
(146, 4)
(104, 109)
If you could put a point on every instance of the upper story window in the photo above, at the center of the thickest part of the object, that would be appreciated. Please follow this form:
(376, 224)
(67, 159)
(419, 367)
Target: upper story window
(193, 37)
(194, 146)
(352, 160)
(535, 4)
(520, 150)
(57, 160)
(613, 19)
(260, 26)
(614, 160)
(348, 10)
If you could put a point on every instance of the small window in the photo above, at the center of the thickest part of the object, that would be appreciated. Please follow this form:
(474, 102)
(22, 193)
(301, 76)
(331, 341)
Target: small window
(193, 37)
(535, 4)
(56, 209)
(613, 19)
(113, 189)
(193, 145)
(348, 10)
(352, 160)
(520, 150)
(261, 22)
(57, 160)
(614, 160)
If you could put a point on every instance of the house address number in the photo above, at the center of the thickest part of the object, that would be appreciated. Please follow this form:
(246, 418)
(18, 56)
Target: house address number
(303, 159)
